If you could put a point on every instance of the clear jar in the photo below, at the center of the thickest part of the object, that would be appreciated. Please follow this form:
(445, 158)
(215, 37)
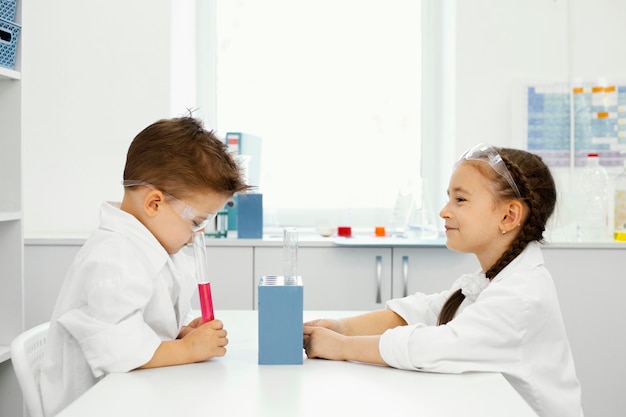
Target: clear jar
(592, 212)
(619, 227)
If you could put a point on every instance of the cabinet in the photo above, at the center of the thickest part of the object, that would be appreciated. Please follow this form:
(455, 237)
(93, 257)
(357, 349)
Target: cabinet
(230, 270)
(590, 284)
(334, 278)
(428, 269)
(11, 239)
(360, 278)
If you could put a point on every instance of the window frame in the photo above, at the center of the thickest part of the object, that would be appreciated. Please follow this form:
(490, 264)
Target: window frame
(438, 97)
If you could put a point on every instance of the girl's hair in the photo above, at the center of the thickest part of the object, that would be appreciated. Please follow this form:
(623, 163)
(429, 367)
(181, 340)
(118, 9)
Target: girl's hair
(178, 156)
(536, 185)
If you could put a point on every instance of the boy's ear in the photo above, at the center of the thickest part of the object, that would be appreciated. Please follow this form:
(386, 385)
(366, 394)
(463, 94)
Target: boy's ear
(515, 212)
(152, 202)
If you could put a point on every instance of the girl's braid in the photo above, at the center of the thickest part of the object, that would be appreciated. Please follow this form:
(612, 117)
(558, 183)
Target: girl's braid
(529, 231)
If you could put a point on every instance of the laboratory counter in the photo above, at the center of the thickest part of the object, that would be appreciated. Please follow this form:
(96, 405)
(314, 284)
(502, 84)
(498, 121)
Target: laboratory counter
(311, 239)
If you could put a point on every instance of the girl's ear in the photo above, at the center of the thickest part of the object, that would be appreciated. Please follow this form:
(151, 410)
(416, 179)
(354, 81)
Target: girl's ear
(515, 213)
(152, 202)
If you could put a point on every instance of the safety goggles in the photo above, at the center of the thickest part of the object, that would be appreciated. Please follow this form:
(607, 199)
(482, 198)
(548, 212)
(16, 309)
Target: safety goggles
(487, 153)
(198, 219)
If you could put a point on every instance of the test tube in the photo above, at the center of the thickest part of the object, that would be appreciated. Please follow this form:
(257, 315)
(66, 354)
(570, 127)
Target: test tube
(290, 255)
(202, 276)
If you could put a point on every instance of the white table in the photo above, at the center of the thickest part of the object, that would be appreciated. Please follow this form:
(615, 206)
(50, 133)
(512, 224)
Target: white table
(235, 385)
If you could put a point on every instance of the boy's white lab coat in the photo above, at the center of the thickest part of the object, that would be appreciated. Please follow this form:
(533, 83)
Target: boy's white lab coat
(514, 327)
(122, 296)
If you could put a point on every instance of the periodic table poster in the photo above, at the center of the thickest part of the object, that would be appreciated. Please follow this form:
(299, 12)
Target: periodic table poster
(565, 122)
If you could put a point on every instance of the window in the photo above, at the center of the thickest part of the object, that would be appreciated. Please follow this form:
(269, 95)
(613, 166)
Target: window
(333, 88)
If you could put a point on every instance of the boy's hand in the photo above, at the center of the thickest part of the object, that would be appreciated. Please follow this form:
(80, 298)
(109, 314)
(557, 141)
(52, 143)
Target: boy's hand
(205, 340)
(197, 342)
(195, 323)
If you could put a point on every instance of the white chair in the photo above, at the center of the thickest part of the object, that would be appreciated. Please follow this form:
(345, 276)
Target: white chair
(26, 355)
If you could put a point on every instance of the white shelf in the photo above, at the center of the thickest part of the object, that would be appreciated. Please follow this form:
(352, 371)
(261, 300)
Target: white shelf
(9, 74)
(10, 215)
(11, 230)
(5, 353)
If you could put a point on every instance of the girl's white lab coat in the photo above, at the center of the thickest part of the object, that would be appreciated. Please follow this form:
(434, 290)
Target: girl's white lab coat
(514, 327)
(122, 296)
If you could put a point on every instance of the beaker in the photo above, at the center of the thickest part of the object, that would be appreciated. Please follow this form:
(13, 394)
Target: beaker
(402, 209)
(422, 223)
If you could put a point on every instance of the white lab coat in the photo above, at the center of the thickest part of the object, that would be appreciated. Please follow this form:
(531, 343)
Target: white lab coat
(122, 296)
(514, 327)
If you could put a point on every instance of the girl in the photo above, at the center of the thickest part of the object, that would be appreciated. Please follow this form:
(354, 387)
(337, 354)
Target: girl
(126, 296)
(504, 318)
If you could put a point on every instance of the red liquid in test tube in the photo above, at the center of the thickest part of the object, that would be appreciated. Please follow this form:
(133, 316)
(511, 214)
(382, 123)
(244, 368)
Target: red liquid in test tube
(206, 301)
(204, 287)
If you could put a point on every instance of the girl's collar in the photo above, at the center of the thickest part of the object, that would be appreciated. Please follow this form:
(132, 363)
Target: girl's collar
(472, 285)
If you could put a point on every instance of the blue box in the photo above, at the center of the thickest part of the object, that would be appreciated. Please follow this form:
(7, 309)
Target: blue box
(280, 304)
(249, 210)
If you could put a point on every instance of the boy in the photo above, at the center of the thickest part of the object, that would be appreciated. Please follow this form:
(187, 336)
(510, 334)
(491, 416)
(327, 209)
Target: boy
(127, 294)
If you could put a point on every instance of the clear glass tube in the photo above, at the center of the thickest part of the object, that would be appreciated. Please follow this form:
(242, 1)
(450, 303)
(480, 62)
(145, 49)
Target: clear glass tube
(290, 254)
(199, 255)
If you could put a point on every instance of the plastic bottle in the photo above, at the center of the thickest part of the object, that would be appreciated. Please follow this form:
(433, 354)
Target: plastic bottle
(593, 210)
(619, 230)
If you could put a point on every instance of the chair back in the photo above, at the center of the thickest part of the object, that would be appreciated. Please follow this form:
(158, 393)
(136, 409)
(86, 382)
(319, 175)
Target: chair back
(26, 356)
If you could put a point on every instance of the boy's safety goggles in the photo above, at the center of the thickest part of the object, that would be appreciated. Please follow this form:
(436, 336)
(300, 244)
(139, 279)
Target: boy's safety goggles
(198, 219)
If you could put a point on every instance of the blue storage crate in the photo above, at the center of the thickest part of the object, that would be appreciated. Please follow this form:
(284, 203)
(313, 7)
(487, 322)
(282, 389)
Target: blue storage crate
(7, 9)
(9, 34)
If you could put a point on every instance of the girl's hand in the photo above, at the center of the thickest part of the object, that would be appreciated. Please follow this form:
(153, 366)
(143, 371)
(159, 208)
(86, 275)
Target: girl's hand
(319, 341)
(325, 339)
(205, 340)
(331, 324)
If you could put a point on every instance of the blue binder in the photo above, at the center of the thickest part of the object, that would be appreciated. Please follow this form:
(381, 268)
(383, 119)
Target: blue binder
(249, 209)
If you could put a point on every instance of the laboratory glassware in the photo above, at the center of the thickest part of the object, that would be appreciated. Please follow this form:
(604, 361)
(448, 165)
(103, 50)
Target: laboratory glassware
(290, 254)
(202, 277)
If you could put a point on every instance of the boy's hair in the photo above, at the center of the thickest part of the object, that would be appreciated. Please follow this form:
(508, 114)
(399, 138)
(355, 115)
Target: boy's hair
(538, 190)
(178, 156)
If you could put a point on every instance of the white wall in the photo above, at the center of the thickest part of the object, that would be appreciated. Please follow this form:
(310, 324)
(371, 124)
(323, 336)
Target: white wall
(501, 43)
(94, 74)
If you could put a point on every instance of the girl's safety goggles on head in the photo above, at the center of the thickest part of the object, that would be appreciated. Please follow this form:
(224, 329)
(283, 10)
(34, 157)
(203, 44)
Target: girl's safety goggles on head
(198, 219)
(487, 153)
